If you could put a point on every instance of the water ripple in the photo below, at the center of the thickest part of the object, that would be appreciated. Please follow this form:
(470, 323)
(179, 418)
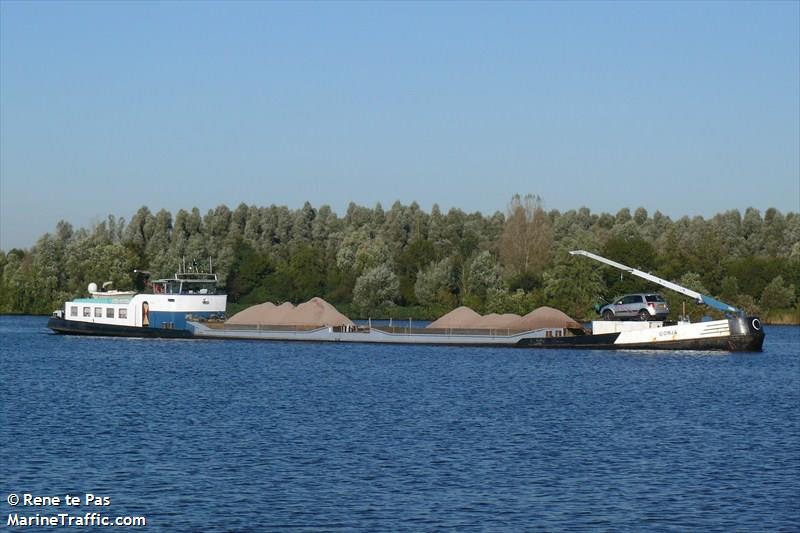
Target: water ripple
(243, 436)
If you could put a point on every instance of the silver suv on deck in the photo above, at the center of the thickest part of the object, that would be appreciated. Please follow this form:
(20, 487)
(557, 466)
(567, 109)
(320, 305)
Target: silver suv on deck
(640, 306)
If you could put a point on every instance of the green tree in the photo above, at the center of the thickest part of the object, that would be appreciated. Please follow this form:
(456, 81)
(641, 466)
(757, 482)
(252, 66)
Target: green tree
(352, 240)
(729, 290)
(634, 252)
(777, 295)
(501, 301)
(376, 287)
(438, 259)
(410, 261)
(250, 271)
(435, 284)
(574, 286)
(372, 253)
(306, 270)
(480, 274)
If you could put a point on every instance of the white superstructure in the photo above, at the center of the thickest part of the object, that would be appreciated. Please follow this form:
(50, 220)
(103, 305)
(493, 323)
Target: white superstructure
(171, 302)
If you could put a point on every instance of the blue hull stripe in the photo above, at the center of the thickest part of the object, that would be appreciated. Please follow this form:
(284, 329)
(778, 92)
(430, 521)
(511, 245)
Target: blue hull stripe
(178, 319)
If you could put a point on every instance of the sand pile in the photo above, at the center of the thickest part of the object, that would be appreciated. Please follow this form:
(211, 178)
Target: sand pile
(282, 315)
(251, 314)
(542, 317)
(495, 321)
(459, 318)
(546, 317)
(315, 312)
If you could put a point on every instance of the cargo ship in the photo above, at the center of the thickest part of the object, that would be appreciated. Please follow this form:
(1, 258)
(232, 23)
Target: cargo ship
(188, 305)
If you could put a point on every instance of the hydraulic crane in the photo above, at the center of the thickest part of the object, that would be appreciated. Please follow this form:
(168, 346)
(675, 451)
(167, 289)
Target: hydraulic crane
(699, 298)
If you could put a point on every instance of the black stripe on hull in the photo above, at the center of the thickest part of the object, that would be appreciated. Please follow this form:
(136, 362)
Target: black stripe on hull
(604, 341)
(74, 327)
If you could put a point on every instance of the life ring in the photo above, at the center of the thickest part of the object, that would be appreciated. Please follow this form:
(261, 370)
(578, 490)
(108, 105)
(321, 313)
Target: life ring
(756, 324)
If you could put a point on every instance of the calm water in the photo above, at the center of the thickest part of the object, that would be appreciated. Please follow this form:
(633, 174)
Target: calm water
(204, 435)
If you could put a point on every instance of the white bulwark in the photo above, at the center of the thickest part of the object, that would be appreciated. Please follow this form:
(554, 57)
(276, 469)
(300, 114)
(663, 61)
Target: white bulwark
(639, 333)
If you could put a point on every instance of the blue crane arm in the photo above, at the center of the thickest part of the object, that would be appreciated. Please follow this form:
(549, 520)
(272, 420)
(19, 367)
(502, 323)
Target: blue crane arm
(720, 306)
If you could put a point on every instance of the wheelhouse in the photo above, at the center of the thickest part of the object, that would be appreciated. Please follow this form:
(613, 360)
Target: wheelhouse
(186, 283)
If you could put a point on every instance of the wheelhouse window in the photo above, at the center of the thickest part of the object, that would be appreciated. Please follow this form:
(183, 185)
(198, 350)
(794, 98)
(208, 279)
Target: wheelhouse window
(161, 288)
(123, 313)
(195, 287)
(73, 310)
(172, 287)
(98, 312)
(109, 312)
(87, 311)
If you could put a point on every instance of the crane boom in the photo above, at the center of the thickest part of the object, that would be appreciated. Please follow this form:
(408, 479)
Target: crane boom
(701, 298)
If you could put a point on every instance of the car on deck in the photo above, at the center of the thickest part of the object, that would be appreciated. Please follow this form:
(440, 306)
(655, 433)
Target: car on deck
(639, 306)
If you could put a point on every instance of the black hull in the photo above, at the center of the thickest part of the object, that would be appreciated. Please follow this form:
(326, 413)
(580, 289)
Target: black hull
(593, 342)
(750, 339)
(73, 327)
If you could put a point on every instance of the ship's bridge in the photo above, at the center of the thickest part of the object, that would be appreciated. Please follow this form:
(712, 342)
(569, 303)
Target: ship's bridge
(186, 283)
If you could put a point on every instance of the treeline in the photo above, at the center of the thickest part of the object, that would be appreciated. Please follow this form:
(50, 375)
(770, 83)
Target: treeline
(407, 262)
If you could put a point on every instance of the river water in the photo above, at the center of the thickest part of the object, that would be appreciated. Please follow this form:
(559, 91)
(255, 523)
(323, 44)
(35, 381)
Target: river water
(253, 436)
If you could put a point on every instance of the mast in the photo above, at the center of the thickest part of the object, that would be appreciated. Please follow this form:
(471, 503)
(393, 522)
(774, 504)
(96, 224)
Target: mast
(699, 298)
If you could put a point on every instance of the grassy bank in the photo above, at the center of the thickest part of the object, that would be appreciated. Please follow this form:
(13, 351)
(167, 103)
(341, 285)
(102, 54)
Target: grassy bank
(789, 317)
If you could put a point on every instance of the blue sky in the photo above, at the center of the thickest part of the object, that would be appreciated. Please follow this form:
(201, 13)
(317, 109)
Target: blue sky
(688, 108)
